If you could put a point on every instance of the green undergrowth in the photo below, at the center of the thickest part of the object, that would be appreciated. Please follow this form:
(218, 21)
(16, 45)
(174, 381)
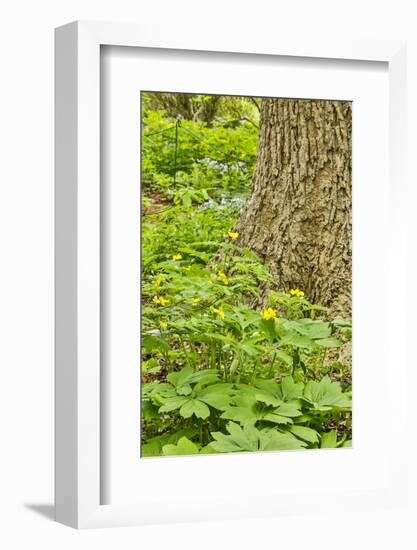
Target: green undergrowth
(226, 367)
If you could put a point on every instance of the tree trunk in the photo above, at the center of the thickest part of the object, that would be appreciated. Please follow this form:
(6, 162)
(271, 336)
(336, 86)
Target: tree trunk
(298, 213)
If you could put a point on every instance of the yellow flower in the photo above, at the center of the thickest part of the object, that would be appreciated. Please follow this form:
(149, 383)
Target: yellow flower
(233, 235)
(160, 301)
(163, 325)
(223, 277)
(297, 292)
(219, 312)
(269, 314)
(196, 300)
(159, 280)
(176, 257)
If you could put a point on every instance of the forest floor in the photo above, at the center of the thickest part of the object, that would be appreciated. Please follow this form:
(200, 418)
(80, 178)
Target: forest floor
(218, 373)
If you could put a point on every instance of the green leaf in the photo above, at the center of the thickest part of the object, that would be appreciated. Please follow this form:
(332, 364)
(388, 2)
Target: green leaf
(151, 343)
(268, 328)
(276, 418)
(153, 447)
(291, 390)
(287, 390)
(208, 449)
(183, 447)
(217, 396)
(342, 324)
(187, 376)
(329, 343)
(196, 408)
(195, 253)
(173, 403)
(298, 341)
(329, 440)
(266, 397)
(313, 329)
(278, 441)
(307, 434)
(185, 389)
(289, 409)
(243, 415)
(279, 354)
(149, 410)
(240, 439)
(203, 377)
(326, 395)
(181, 377)
(249, 438)
(152, 366)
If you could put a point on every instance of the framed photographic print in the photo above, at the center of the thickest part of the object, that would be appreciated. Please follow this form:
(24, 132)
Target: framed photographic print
(228, 215)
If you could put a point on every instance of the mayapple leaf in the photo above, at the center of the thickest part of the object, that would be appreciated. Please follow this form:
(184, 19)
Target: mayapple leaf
(291, 390)
(329, 342)
(299, 341)
(204, 377)
(277, 418)
(173, 403)
(196, 408)
(274, 440)
(187, 376)
(329, 440)
(178, 378)
(287, 390)
(249, 438)
(313, 329)
(217, 396)
(239, 439)
(289, 409)
(267, 398)
(326, 395)
(224, 443)
(307, 434)
(153, 447)
(185, 389)
(208, 449)
(183, 447)
(243, 415)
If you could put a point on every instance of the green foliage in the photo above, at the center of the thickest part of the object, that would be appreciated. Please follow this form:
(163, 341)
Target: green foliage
(285, 411)
(219, 372)
(249, 438)
(211, 160)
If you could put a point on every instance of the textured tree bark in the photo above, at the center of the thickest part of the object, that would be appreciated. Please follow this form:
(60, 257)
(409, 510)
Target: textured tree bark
(298, 216)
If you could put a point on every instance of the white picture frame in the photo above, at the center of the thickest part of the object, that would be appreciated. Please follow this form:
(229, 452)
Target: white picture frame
(78, 321)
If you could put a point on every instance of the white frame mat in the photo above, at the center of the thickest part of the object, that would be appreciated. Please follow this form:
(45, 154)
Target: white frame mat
(78, 264)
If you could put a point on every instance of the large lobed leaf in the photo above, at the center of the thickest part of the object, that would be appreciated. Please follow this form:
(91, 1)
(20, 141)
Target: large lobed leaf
(249, 438)
(326, 395)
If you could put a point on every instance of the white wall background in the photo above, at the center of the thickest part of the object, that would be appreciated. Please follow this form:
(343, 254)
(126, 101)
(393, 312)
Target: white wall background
(26, 269)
